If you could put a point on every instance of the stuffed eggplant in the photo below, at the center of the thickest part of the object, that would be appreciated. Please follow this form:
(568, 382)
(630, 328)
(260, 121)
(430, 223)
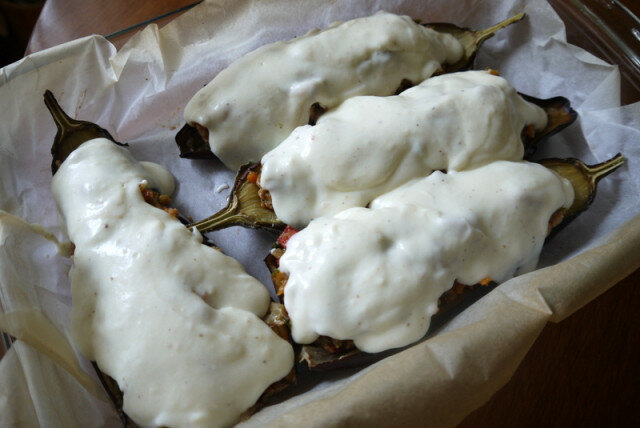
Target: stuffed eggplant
(371, 145)
(177, 324)
(367, 272)
(252, 105)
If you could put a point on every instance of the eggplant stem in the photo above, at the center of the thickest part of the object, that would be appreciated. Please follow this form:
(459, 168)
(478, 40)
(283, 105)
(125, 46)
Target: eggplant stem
(220, 219)
(598, 171)
(483, 35)
(245, 207)
(59, 116)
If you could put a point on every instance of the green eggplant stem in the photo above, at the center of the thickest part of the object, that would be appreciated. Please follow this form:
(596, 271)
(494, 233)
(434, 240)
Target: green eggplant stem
(598, 171)
(482, 35)
(62, 120)
(234, 214)
(471, 40)
(584, 179)
(71, 132)
(217, 220)
(244, 207)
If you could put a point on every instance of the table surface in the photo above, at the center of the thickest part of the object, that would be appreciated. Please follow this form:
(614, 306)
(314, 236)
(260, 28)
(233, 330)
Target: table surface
(583, 370)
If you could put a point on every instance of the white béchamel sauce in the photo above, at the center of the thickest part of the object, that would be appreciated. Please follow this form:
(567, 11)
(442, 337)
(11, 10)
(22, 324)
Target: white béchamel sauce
(371, 145)
(175, 323)
(375, 275)
(255, 103)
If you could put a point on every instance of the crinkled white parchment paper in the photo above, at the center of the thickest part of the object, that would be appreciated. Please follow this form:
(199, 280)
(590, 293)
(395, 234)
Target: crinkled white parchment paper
(138, 94)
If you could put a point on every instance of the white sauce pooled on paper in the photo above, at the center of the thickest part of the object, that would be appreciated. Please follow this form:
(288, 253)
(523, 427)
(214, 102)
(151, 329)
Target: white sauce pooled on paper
(375, 275)
(221, 188)
(255, 103)
(175, 323)
(371, 145)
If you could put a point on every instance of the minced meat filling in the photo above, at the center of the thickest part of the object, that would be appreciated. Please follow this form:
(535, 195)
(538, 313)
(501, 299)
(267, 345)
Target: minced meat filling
(154, 198)
(263, 194)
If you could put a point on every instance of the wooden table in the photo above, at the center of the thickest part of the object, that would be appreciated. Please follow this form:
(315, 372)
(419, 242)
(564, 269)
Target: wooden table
(583, 371)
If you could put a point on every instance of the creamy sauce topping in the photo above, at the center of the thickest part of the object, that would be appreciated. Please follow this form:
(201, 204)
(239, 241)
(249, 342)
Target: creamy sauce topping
(175, 323)
(255, 103)
(371, 145)
(375, 275)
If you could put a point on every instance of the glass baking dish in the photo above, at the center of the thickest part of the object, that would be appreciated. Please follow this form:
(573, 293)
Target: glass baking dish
(609, 29)
(121, 36)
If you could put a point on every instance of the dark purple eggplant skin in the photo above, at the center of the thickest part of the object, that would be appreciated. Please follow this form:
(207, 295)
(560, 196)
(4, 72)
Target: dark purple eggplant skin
(192, 145)
(560, 115)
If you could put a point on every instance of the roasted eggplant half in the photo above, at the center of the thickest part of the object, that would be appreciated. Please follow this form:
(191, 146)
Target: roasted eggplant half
(193, 140)
(327, 353)
(250, 206)
(71, 135)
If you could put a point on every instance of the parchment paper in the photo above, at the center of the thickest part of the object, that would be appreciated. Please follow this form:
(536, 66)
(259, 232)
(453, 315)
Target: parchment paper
(138, 94)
